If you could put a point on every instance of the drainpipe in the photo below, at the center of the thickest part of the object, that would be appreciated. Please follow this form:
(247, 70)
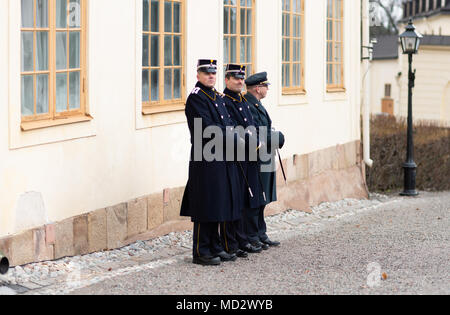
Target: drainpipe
(366, 84)
(4, 264)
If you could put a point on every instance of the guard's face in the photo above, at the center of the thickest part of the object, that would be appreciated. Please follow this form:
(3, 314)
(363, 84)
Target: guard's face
(234, 84)
(262, 89)
(207, 79)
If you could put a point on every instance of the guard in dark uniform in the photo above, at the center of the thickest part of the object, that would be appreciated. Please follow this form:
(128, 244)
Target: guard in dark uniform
(213, 193)
(232, 232)
(257, 87)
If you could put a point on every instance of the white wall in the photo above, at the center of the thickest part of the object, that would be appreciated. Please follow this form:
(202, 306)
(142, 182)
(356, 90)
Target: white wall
(384, 72)
(59, 172)
(432, 66)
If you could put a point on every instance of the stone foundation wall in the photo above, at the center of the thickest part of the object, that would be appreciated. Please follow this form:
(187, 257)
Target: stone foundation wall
(331, 174)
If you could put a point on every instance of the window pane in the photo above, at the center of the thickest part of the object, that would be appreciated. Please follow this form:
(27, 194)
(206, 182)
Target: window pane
(243, 21)
(249, 21)
(155, 16)
(329, 74)
(330, 8)
(61, 50)
(41, 51)
(168, 84)
(225, 50)
(145, 51)
(233, 49)
(329, 30)
(61, 92)
(249, 49)
(27, 95)
(249, 70)
(337, 52)
(233, 21)
(42, 13)
(61, 13)
(177, 84)
(42, 94)
(337, 9)
(145, 86)
(299, 6)
(337, 74)
(155, 85)
(74, 20)
(337, 30)
(27, 13)
(288, 49)
(226, 30)
(176, 17)
(286, 75)
(145, 15)
(74, 45)
(329, 51)
(295, 74)
(242, 49)
(176, 50)
(74, 89)
(167, 50)
(27, 51)
(167, 16)
(155, 51)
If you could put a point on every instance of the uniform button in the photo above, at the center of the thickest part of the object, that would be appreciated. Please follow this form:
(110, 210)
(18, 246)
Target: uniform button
(245, 119)
(217, 105)
(221, 116)
(240, 109)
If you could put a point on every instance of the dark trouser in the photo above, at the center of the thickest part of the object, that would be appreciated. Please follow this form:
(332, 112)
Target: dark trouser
(206, 241)
(232, 235)
(255, 225)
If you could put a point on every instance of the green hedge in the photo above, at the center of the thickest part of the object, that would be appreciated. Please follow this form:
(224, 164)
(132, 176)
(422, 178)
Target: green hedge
(388, 151)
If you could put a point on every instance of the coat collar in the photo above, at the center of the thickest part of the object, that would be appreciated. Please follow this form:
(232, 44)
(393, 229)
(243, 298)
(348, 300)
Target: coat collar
(238, 97)
(211, 92)
(253, 100)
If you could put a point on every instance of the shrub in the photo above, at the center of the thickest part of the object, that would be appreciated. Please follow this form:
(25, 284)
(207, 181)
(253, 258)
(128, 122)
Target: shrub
(388, 151)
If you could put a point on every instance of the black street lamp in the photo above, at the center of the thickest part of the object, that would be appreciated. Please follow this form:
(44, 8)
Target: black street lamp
(410, 41)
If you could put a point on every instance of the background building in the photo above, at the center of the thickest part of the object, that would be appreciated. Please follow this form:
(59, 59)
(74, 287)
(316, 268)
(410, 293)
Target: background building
(94, 144)
(389, 71)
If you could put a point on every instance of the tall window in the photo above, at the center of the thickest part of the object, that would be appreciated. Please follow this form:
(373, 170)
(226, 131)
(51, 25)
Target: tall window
(424, 6)
(293, 46)
(162, 55)
(239, 33)
(335, 49)
(53, 59)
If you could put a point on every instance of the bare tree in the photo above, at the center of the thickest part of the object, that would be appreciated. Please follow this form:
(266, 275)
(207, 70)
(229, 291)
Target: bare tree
(390, 12)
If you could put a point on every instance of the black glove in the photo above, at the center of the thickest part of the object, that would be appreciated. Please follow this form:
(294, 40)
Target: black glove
(281, 140)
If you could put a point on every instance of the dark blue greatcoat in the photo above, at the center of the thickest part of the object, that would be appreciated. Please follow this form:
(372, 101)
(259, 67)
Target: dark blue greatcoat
(239, 109)
(261, 118)
(214, 189)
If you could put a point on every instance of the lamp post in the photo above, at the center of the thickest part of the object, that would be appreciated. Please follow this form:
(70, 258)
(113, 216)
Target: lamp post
(410, 41)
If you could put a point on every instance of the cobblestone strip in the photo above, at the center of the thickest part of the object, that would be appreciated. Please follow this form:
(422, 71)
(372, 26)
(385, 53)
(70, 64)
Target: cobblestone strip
(71, 273)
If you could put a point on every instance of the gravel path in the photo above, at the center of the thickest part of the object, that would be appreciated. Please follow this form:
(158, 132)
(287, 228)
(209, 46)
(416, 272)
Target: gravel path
(385, 245)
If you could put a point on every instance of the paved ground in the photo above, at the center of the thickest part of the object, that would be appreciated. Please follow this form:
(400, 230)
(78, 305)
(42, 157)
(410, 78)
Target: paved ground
(386, 245)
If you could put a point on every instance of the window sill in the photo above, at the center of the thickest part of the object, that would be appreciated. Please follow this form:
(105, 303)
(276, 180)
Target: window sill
(34, 125)
(294, 92)
(336, 90)
(158, 109)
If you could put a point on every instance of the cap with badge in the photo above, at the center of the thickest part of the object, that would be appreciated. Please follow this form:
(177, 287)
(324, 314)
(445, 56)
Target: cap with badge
(257, 79)
(237, 71)
(207, 65)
